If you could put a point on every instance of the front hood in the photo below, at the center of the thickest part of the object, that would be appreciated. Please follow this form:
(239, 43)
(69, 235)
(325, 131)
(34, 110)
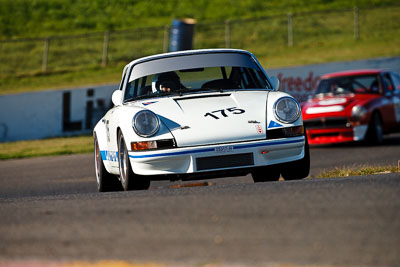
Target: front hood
(213, 118)
(333, 105)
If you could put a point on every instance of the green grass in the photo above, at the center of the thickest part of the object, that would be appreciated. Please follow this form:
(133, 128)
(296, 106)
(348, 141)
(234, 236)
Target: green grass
(94, 75)
(42, 18)
(46, 147)
(318, 38)
(358, 170)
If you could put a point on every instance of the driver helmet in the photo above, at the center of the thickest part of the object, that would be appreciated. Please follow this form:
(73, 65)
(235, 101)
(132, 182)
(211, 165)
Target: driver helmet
(166, 79)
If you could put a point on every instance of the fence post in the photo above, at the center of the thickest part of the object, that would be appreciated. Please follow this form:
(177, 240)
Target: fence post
(356, 24)
(104, 59)
(166, 38)
(290, 30)
(45, 54)
(227, 34)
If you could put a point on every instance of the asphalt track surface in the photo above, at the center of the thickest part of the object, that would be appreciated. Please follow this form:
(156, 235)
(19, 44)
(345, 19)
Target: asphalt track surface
(50, 211)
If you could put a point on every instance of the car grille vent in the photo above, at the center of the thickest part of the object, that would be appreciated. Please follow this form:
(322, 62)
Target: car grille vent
(322, 123)
(165, 143)
(285, 132)
(225, 161)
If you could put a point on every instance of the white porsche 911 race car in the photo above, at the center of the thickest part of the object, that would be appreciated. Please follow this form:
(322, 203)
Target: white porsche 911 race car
(198, 114)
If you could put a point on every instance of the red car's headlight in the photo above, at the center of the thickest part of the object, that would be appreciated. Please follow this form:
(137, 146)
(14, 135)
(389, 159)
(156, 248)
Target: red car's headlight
(358, 112)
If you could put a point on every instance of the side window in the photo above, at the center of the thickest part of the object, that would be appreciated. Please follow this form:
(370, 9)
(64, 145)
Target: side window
(130, 89)
(139, 87)
(396, 81)
(387, 83)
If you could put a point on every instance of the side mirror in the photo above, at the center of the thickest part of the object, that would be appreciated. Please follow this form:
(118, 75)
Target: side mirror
(274, 82)
(117, 98)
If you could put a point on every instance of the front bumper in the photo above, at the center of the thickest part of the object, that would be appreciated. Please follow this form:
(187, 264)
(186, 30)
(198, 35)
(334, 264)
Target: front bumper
(217, 157)
(336, 135)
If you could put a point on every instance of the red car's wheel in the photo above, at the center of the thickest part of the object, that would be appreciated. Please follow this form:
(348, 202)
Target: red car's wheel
(375, 130)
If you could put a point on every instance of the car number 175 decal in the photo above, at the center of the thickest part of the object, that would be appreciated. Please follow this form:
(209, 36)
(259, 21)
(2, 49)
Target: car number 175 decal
(224, 112)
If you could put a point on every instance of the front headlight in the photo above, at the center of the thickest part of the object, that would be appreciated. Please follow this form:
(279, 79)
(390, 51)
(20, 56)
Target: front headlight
(145, 123)
(358, 112)
(286, 110)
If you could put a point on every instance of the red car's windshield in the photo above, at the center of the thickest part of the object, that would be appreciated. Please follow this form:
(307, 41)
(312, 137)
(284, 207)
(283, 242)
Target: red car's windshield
(365, 84)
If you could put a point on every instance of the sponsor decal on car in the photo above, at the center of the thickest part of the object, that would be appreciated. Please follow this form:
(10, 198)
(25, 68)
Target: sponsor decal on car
(259, 129)
(109, 155)
(274, 124)
(148, 103)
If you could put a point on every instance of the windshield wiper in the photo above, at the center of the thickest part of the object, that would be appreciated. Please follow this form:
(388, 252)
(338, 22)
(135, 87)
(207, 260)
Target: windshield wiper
(205, 89)
(147, 96)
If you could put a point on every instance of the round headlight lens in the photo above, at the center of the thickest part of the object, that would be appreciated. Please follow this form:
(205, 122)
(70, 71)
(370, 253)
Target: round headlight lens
(287, 110)
(358, 112)
(145, 123)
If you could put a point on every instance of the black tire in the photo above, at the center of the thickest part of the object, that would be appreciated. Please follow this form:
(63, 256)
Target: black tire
(375, 130)
(106, 182)
(298, 169)
(265, 174)
(129, 180)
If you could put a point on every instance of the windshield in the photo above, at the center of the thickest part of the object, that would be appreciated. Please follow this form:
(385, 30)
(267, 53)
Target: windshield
(366, 84)
(194, 80)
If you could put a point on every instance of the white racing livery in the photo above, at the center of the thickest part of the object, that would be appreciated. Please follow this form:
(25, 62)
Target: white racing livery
(198, 114)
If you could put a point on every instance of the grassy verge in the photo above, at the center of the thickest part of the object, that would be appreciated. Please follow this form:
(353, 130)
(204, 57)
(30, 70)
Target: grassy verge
(359, 170)
(46, 147)
(269, 59)
(60, 80)
(317, 38)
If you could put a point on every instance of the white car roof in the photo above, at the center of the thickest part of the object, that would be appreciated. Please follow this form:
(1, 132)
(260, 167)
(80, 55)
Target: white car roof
(188, 52)
(196, 59)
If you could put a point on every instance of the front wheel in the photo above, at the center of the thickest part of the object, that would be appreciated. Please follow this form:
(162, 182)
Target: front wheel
(298, 169)
(106, 182)
(129, 180)
(375, 130)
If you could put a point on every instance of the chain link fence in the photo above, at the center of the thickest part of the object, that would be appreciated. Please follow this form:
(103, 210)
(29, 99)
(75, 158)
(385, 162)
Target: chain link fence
(265, 35)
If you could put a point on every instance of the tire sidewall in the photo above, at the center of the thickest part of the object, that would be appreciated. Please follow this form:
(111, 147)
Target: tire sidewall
(123, 168)
(375, 130)
(378, 131)
(106, 181)
(98, 165)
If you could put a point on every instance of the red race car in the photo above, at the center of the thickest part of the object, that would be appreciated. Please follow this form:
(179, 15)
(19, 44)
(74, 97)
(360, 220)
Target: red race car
(353, 106)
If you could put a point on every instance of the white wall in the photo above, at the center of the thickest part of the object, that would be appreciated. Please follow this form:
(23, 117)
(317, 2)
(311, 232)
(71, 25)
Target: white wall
(50, 114)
